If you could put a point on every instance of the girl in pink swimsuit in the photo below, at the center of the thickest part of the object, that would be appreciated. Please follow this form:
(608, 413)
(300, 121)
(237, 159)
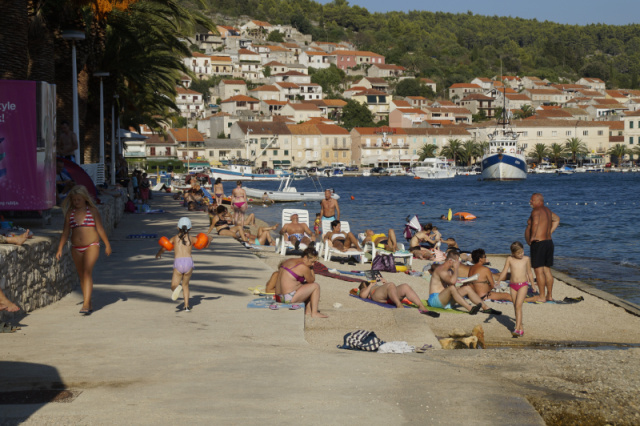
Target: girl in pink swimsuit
(84, 225)
(521, 276)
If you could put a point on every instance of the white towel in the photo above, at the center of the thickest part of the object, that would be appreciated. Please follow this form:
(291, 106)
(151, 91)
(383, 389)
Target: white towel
(395, 348)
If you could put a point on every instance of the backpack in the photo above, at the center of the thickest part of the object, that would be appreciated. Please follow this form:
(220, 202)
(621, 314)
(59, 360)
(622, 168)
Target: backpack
(362, 340)
(129, 207)
(383, 262)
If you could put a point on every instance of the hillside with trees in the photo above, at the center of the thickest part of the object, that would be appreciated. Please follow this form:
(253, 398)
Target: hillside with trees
(453, 48)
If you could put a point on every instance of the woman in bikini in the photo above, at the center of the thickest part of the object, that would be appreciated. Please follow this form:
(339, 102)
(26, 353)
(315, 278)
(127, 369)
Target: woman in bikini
(222, 226)
(263, 238)
(381, 240)
(82, 220)
(218, 191)
(296, 283)
(382, 291)
(239, 204)
(339, 240)
(485, 283)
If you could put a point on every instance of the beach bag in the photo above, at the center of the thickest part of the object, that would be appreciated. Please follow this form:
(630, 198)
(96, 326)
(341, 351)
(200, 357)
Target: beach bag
(129, 207)
(383, 262)
(362, 340)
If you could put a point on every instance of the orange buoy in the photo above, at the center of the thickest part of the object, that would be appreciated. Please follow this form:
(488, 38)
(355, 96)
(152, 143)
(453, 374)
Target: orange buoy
(423, 203)
(164, 242)
(464, 216)
(353, 198)
(416, 177)
(201, 241)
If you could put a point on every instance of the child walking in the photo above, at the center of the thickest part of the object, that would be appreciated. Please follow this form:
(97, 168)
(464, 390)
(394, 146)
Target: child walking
(183, 263)
(521, 276)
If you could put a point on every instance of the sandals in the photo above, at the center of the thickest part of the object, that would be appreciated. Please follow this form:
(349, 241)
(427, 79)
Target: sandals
(491, 311)
(5, 327)
(295, 307)
(429, 313)
(273, 307)
(517, 333)
(475, 309)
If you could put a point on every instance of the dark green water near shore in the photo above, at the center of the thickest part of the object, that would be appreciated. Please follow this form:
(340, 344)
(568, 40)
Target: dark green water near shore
(597, 242)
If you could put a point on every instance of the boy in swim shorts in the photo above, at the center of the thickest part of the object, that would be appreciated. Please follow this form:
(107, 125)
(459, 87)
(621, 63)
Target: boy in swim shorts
(183, 262)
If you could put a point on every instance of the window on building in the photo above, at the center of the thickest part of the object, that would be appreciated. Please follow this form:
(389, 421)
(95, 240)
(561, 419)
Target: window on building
(286, 152)
(568, 133)
(152, 150)
(525, 134)
(326, 155)
(585, 133)
(554, 133)
(631, 124)
(600, 132)
(211, 153)
(631, 140)
(539, 133)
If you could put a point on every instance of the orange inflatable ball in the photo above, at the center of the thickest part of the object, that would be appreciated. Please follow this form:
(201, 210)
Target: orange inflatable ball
(164, 242)
(201, 241)
(353, 198)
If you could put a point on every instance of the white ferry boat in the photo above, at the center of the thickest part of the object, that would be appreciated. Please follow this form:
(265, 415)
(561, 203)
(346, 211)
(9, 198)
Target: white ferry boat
(504, 160)
(434, 168)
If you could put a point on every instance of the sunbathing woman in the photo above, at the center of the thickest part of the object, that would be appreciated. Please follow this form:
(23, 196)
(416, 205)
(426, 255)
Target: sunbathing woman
(383, 291)
(339, 240)
(84, 226)
(381, 240)
(222, 226)
(296, 283)
(485, 283)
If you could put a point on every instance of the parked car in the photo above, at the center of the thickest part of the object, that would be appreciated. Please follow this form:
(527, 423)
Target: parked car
(351, 168)
(197, 169)
(607, 165)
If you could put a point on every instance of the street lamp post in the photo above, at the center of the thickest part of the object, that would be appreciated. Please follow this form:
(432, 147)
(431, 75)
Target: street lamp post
(113, 140)
(102, 74)
(74, 36)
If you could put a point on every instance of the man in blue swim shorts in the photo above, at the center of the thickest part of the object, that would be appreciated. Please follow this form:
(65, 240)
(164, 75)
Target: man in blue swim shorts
(329, 208)
(443, 288)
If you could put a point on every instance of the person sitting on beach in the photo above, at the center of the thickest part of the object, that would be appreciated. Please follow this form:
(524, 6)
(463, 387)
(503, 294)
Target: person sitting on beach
(266, 199)
(343, 241)
(382, 291)
(223, 228)
(297, 233)
(195, 194)
(263, 238)
(296, 283)
(485, 283)
(443, 288)
(420, 237)
(381, 240)
(17, 239)
(6, 304)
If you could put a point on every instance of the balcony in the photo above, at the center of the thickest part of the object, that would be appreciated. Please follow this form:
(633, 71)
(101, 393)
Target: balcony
(137, 154)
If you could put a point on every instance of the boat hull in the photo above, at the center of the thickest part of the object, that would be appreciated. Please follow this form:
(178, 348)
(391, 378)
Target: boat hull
(504, 167)
(231, 175)
(287, 196)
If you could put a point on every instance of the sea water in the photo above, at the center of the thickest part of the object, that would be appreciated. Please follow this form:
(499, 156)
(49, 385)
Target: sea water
(597, 241)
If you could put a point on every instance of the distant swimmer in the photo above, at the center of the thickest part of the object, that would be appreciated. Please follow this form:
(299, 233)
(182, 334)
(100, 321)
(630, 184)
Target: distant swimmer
(540, 226)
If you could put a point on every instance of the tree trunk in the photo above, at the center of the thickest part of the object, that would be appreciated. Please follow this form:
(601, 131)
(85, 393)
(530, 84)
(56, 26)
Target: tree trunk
(14, 59)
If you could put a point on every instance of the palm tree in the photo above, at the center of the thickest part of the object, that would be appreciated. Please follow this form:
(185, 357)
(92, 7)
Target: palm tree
(555, 151)
(575, 147)
(428, 150)
(539, 151)
(452, 149)
(527, 111)
(618, 151)
(469, 151)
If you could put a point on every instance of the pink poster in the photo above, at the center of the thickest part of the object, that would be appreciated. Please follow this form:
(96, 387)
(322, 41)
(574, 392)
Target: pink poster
(27, 171)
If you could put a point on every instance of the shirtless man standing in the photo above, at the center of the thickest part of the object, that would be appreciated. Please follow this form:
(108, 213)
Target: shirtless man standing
(443, 288)
(540, 226)
(67, 142)
(297, 233)
(329, 208)
(239, 204)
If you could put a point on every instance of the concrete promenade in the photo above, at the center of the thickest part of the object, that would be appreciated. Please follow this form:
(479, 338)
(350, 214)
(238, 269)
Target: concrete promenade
(139, 359)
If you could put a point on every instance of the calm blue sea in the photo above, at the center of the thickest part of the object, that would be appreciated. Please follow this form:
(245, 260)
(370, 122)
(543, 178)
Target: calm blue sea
(597, 240)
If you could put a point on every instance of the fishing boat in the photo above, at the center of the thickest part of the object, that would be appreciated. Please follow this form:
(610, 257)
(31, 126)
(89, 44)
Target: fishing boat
(244, 172)
(434, 168)
(287, 193)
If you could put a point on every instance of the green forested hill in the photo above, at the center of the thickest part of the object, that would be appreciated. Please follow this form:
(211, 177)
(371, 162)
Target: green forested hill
(453, 48)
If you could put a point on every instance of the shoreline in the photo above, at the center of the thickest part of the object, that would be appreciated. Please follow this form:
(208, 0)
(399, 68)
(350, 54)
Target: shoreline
(576, 363)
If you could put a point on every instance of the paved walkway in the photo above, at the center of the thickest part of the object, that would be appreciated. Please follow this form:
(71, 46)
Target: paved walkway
(140, 360)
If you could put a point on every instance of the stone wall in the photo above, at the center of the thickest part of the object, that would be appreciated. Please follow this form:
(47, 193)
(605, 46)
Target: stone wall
(30, 275)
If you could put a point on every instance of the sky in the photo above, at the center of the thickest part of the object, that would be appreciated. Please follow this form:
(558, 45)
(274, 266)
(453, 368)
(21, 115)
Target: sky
(580, 12)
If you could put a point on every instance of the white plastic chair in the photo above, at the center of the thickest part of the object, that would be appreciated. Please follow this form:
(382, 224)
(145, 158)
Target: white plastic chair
(330, 251)
(370, 247)
(303, 217)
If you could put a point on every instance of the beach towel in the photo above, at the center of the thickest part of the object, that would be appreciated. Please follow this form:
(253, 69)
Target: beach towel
(156, 211)
(320, 269)
(267, 301)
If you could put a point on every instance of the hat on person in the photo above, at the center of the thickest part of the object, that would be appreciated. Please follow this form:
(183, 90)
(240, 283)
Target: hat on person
(184, 221)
